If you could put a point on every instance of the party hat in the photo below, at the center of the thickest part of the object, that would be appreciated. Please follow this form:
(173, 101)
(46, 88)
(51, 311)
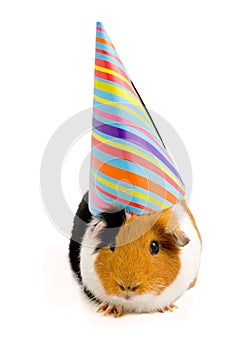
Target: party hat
(130, 167)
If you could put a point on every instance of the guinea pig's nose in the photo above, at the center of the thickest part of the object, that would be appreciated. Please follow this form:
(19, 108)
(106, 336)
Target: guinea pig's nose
(131, 288)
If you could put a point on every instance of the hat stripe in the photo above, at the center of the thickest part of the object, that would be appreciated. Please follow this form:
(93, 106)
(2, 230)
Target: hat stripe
(104, 41)
(99, 26)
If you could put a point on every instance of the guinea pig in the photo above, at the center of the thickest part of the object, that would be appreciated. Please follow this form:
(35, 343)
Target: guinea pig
(129, 263)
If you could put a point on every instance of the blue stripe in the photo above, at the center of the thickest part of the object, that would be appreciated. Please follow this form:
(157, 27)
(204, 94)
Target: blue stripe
(99, 24)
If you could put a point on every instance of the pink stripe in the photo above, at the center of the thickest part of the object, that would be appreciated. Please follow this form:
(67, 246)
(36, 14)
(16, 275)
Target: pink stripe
(98, 202)
(126, 122)
(101, 30)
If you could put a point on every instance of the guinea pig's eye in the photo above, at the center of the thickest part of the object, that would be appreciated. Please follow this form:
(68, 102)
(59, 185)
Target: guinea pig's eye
(154, 247)
(112, 247)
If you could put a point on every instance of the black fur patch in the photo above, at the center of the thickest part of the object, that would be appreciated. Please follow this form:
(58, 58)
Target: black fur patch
(115, 219)
(113, 222)
(90, 295)
(81, 219)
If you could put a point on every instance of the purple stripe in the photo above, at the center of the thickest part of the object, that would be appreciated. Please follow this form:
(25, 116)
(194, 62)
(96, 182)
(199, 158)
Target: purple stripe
(129, 136)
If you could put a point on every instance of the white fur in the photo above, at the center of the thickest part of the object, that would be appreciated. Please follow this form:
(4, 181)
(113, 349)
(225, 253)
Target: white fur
(87, 260)
(190, 259)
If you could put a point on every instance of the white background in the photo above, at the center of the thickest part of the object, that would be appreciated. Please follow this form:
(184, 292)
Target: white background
(179, 54)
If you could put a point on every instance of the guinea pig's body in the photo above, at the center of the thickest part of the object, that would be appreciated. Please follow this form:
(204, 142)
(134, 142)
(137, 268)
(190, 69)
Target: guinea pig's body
(135, 263)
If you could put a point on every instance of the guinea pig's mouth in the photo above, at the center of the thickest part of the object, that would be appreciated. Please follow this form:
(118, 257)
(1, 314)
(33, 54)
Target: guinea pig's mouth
(125, 298)
(128, 297)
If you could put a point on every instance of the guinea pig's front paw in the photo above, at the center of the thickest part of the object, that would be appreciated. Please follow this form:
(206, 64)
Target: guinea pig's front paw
(168, 308)
(111, 310)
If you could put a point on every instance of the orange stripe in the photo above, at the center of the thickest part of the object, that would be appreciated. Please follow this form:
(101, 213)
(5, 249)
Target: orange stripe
(103, 41)
(135, 179)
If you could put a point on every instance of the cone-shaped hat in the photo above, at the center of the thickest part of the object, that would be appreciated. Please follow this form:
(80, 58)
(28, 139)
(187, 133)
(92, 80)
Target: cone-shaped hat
(130, 166)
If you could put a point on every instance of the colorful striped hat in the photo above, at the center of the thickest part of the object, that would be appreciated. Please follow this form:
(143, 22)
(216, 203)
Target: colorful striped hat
(130, 168)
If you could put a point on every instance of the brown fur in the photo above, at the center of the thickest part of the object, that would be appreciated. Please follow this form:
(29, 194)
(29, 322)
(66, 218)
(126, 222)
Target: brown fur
(131, 264)
(193, 283)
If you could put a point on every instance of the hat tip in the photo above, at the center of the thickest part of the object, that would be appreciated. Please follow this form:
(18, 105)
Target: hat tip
(99, 24)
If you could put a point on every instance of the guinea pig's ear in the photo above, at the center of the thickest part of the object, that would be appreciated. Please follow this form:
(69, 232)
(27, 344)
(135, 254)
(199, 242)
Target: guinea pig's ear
(179, 237)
